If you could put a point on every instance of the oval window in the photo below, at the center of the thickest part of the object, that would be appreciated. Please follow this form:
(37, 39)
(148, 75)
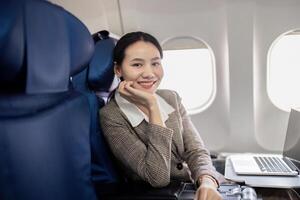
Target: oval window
(283, 71)
(189, 69)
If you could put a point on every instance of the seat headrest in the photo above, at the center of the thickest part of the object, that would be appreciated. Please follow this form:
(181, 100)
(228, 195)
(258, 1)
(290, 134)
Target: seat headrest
(101, 66)
(41, 46)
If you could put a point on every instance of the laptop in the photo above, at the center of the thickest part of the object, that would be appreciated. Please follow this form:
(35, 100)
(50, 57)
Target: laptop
(273, 164)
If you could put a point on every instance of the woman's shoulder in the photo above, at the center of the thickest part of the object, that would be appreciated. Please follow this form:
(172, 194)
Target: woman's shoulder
(110, 110)
(170, 96)
(166, 93)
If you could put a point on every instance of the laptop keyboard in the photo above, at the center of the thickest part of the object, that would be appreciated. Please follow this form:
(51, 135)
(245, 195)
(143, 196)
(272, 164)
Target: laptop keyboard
(271, 164)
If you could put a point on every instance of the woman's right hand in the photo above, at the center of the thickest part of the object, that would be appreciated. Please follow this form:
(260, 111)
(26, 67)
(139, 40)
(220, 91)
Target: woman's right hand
(136, 96)
(207, 190)
(143, 100)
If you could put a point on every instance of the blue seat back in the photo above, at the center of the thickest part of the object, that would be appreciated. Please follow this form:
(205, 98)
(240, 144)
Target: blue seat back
(101, 66)
(98, 77)
(45, 141)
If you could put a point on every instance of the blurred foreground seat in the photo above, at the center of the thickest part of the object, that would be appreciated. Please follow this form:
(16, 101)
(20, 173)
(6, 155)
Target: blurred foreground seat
(45, 141)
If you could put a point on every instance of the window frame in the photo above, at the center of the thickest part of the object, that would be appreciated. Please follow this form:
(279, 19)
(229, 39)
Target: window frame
(268, 70)
(212, 95)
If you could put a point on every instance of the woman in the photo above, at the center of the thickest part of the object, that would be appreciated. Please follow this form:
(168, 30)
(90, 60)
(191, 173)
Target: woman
(148, 130)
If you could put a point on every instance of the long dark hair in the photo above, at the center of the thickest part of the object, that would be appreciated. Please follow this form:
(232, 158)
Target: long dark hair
(127, 40)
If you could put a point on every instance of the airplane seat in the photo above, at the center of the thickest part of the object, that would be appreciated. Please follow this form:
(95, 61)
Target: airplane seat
(45, 142)
(102, 80)
(97, 78)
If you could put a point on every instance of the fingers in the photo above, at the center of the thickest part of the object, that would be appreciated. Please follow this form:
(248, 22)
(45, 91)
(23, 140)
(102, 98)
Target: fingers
(127, 88)
(127, 91)
(136, 96)
(124, 88)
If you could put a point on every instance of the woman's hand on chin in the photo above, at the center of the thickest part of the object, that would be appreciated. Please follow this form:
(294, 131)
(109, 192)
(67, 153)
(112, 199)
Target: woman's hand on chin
(136, 96)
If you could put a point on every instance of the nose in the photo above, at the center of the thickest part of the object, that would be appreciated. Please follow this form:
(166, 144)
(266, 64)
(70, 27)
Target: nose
(148, 72)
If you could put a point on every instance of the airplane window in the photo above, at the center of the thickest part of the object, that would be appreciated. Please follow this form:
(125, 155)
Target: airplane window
(190, 72)
(283, 71)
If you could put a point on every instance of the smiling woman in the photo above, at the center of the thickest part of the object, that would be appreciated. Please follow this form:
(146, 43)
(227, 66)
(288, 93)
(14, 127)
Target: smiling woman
(142, 65)
(148, 130)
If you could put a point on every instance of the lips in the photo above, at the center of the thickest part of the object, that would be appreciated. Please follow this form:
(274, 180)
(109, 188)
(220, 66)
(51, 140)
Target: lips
(146, 84)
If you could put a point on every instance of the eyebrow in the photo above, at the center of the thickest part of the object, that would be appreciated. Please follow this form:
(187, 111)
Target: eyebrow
(141, 60)
(137, 59)
(156, 58)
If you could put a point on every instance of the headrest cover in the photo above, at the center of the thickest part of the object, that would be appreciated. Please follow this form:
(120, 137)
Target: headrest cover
(101, 68)
(48, 51)
(57, 45)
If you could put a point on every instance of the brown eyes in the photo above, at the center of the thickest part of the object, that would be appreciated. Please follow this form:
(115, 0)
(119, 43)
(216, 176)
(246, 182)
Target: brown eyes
(155, 64)
(136, 65)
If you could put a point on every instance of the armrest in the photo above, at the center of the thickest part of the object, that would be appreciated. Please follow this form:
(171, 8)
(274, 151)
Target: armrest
(219, 165)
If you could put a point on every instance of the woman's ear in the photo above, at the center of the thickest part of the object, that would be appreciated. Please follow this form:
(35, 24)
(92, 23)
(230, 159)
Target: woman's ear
(117, 70)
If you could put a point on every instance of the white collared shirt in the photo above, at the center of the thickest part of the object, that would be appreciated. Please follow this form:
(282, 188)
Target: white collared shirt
(136, 116)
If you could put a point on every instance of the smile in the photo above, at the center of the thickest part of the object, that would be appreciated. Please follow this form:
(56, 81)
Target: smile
(146, 84)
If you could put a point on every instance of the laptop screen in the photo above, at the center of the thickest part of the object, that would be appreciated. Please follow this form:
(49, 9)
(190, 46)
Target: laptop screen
(292, 139)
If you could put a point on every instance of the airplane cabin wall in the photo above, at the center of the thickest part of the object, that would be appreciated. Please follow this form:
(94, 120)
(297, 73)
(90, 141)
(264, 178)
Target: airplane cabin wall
(241, 118)
(93, 13)
(272, 19)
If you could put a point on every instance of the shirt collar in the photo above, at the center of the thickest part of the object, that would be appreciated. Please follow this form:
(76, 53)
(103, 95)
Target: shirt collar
(135, 115)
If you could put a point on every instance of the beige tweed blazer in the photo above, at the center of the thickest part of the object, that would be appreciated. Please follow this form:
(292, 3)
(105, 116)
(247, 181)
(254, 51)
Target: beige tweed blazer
(157, 154)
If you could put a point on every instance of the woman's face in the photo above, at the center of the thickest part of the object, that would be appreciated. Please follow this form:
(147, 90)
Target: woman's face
(142, 65)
